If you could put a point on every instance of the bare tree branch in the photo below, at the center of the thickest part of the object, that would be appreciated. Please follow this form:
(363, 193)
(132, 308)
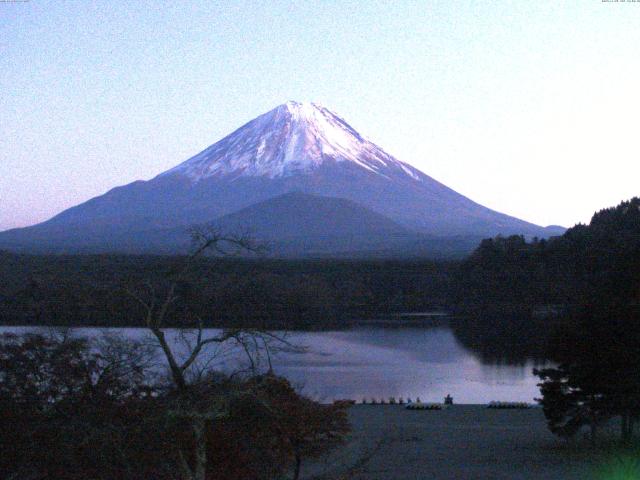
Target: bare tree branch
(156, 309)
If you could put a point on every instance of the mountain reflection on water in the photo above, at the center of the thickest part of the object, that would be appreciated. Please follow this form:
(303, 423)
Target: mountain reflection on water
(378, 362)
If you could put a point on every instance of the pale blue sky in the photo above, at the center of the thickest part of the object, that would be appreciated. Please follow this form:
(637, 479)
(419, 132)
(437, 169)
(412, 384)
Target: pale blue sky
(528, 107)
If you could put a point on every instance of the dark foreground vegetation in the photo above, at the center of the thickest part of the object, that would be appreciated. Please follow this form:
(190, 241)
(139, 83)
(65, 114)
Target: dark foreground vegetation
(72, 408)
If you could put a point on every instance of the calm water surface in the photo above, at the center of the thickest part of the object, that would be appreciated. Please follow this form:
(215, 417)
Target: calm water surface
(378, 362)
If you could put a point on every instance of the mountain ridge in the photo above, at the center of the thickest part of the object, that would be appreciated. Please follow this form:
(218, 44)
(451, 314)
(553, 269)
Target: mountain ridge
(295, 147)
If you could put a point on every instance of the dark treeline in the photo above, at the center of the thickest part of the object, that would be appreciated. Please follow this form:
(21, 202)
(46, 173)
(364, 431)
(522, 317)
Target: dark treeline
(516, 296)
(581, 292)
(510, 294)
(588, 261)
(92, 290)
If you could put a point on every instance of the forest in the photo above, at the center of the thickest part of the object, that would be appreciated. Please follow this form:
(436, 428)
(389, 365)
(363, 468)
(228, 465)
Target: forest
(91, 290)
(583, 291)
(506, 281)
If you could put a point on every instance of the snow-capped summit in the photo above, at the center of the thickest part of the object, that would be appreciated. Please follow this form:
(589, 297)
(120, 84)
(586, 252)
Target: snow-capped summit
(292, 138)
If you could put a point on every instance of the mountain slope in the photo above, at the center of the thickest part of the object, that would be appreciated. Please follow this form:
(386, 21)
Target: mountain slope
(297, 214)
(297, 224)
(293, 148)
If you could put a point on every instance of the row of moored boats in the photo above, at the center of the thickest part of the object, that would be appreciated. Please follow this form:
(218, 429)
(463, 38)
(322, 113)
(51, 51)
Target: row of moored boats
(419, 405)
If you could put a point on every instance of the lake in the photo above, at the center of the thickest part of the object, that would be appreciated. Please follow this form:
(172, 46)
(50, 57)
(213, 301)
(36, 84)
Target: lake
(378, 362)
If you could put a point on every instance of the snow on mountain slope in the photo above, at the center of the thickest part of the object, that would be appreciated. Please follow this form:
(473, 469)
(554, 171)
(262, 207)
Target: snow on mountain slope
(292, 138)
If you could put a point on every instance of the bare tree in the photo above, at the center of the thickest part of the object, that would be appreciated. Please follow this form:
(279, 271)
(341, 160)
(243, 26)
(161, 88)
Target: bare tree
(197, 399)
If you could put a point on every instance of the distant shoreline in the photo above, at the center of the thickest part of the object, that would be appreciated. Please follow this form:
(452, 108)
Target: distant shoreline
(393, 320)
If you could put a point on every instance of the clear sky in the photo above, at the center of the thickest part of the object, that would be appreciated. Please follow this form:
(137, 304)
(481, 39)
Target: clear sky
(528, 107)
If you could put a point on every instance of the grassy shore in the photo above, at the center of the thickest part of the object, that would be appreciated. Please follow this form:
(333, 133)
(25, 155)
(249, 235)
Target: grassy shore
(463, 442)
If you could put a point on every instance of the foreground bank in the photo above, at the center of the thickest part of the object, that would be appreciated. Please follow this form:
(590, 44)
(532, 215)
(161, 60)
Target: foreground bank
(463, 442)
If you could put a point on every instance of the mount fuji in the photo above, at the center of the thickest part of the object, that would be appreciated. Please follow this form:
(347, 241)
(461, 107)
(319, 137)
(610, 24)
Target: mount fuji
(299, 176)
